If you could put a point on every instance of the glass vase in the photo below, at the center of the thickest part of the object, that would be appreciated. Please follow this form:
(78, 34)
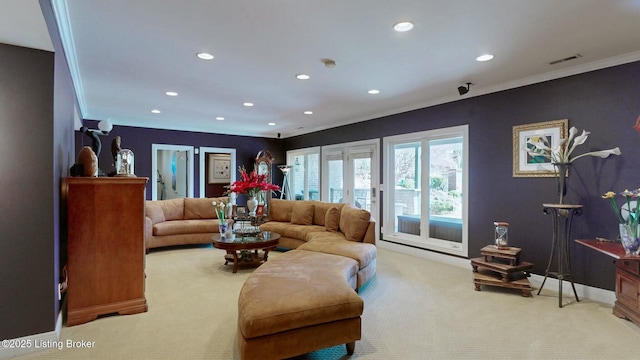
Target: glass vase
(223, 227)
(629, 238)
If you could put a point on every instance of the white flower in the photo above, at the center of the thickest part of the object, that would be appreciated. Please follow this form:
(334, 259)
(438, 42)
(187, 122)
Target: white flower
(562, 152)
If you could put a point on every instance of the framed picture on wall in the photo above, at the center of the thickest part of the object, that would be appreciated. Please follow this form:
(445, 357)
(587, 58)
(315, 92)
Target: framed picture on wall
(219, 169)
(525, 162)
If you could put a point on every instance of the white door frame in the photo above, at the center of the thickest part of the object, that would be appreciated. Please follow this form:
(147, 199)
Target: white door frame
(154, 167)
(207, 150)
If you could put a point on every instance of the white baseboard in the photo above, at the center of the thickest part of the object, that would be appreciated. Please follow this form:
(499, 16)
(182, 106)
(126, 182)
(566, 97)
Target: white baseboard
(552, 284)
(32, 343)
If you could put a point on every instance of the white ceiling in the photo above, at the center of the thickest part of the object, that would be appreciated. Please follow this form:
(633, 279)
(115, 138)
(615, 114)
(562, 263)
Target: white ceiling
(126, 54)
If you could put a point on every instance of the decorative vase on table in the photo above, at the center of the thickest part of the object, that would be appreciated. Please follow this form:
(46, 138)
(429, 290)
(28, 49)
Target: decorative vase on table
(562, 169)
(629, 238)
(252, 203)
(223, 227)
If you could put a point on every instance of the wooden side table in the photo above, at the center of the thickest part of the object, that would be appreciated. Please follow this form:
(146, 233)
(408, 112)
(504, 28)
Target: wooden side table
(502, 268)
(627, 303)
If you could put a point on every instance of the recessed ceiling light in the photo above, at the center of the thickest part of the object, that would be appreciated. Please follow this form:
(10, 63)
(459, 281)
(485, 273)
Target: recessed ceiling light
(403, 26)
(248, 104)
(171, 93)
(374, 91)
(205, 56)
(485, 57)
(302, 77)
(155, 111)
(272, 124)
(220, 118)
(308, 112)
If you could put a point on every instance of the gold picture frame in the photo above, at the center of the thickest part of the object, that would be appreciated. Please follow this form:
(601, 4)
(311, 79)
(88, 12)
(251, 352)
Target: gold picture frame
(524, 163)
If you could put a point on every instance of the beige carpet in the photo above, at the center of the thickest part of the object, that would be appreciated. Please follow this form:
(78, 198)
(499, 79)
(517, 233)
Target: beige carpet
(414, 309)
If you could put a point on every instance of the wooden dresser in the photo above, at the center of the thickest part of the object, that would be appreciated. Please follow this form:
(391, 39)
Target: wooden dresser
(627, 278)
(106, 255)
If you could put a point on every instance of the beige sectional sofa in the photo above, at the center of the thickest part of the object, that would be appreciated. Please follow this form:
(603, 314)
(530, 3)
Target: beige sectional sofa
(299, 222)
(180, 221)
(330, 228)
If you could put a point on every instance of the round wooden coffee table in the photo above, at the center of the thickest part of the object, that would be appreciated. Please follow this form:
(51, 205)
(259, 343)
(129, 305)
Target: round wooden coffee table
(239, 247)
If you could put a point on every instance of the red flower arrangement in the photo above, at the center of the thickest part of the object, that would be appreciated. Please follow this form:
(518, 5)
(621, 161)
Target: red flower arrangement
(251, 184)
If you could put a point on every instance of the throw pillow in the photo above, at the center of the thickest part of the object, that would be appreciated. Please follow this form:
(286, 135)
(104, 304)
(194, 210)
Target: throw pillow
(332, 219)
(154, 212)
(354, 222)
(302, 213)
(280, 210)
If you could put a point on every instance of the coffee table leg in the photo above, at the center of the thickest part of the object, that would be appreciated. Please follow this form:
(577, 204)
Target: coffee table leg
(266, 254)
(235, 260)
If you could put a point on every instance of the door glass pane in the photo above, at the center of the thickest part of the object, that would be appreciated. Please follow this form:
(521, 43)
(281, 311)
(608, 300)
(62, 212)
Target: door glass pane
(407, 187)
(297, 178)
(445, 189)
(335, 180)
(362, 182)
(313, 176)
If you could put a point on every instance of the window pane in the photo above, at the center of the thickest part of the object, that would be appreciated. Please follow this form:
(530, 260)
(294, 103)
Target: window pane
(362, 182)
(297, 178)
(445, 189)
(335, 181)
(407, 187)
(313, 174)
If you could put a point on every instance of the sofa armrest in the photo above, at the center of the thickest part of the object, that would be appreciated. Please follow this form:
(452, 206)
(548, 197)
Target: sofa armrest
(148, 231)
(370, 234)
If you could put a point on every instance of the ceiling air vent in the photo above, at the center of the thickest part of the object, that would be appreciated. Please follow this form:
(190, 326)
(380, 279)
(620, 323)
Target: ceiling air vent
(573, 57)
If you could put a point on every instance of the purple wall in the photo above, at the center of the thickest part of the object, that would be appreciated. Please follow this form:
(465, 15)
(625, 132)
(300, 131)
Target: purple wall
(604, 102)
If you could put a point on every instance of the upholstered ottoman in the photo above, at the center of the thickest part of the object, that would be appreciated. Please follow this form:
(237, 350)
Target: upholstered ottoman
(299, 302)
(365, 254)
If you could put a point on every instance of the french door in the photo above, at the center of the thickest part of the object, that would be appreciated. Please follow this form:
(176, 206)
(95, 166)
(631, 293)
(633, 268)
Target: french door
(426, 189)
(350, 174)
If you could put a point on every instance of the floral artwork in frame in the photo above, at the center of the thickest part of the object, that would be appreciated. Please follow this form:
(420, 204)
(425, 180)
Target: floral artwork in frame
(525, 162)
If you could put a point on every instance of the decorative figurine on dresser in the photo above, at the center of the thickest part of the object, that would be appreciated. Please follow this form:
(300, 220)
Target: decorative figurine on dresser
(105, 256)
(500, 264)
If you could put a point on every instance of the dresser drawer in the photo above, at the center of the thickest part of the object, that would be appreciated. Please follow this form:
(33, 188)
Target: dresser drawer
(632, 266)
(627, 289)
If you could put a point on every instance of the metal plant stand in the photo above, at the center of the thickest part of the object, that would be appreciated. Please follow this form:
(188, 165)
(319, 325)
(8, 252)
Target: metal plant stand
(562, 216)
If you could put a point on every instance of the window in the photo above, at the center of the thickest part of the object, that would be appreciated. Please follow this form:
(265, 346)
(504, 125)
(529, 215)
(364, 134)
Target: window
(435, 161)
(304, 174)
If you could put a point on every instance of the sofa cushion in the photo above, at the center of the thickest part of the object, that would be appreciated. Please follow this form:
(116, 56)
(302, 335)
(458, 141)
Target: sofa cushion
(173, 209)
(280, 210)
(290, 230)
(354, 222)
(332, 219)
(320, 209)
(301, 288)
(364, 254)
(201, 208)
(194, 226)
(154, 212)
(302, 213)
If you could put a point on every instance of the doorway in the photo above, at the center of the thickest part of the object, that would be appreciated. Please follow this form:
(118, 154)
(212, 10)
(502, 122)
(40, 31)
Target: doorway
(207, 154)
(172, 171)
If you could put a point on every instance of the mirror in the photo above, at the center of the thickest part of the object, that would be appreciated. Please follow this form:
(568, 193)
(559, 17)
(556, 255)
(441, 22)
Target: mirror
(171, 171)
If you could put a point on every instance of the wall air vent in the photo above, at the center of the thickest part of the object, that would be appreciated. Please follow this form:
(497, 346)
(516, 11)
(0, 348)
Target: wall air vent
(573, 57)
